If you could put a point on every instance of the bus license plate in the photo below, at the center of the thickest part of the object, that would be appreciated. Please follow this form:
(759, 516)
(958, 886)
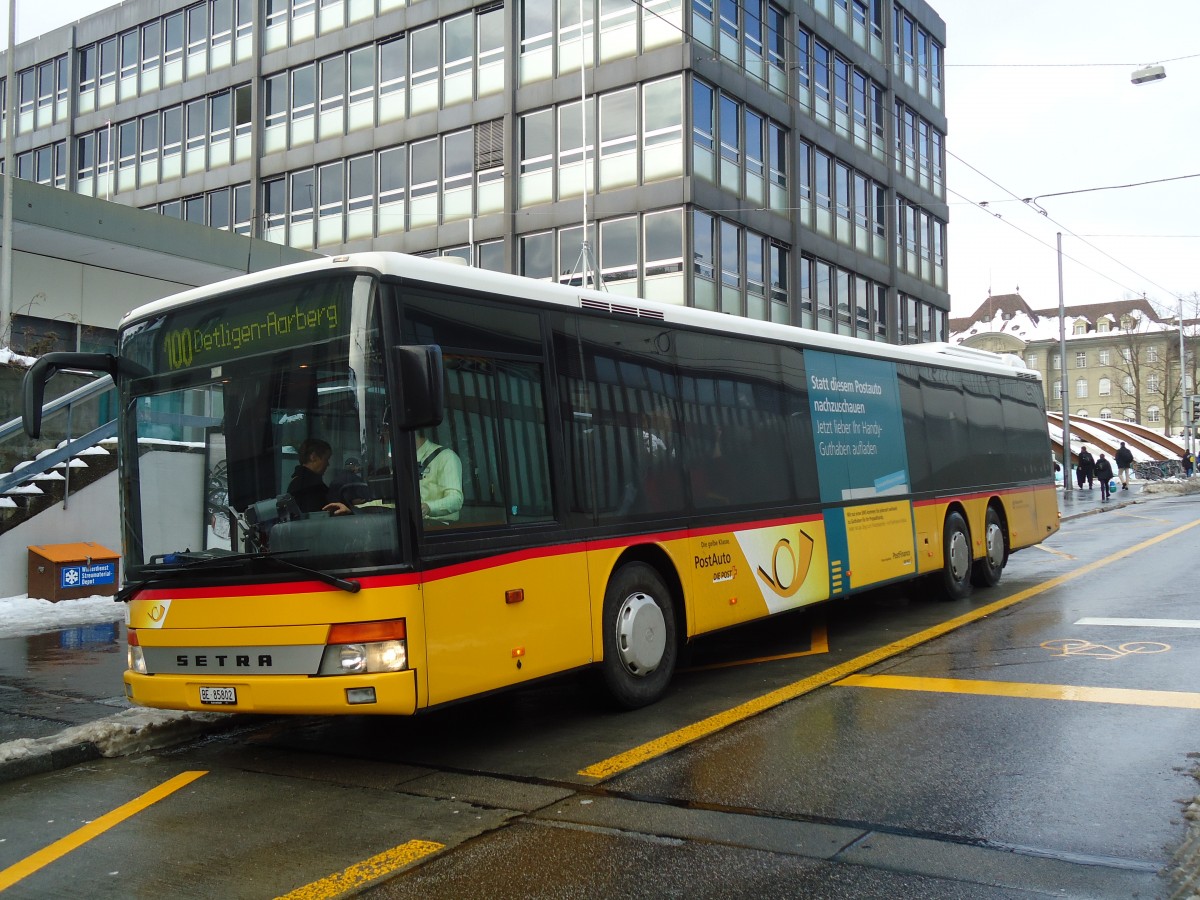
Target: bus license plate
(219, 696)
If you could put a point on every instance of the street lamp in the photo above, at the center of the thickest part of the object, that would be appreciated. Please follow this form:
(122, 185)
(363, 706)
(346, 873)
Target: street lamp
(1147, 74)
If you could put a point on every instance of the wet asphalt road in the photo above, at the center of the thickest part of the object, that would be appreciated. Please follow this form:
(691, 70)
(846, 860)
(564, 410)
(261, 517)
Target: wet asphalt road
(974, 764)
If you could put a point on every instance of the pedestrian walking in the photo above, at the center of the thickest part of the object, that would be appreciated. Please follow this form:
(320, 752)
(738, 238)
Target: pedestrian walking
(1103, 471)
(1124, 459)
(1085, 468)
(1189, 462)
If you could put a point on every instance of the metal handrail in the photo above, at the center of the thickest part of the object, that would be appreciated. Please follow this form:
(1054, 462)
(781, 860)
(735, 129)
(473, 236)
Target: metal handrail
(44, 464)
(48, 460)
(83, 392)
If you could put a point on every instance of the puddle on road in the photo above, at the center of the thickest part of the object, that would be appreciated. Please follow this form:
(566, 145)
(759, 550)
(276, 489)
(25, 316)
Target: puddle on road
(84, 659)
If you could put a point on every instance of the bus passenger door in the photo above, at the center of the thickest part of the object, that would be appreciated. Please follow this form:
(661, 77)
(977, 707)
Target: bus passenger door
(514, 618)
(513, 605)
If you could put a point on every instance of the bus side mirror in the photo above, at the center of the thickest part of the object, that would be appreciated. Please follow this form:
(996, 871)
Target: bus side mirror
(34, 385)
(421, 403)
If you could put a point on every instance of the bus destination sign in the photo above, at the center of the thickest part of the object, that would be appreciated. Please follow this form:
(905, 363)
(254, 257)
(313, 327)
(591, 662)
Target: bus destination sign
(254, 324)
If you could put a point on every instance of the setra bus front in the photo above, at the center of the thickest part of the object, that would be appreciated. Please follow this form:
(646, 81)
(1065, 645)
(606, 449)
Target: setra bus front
(264, 574)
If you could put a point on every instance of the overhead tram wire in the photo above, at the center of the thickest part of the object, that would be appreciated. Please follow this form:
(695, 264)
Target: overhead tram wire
(1039, 240)
(1026, 203)
(1097, 65)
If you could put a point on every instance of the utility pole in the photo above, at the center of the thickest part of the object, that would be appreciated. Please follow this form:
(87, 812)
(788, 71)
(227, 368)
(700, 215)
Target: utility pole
(10, 160)
(1185, 407)
(1062, 373)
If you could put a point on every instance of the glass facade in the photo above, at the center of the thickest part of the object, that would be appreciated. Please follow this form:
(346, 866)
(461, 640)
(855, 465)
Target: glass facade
(811, 191)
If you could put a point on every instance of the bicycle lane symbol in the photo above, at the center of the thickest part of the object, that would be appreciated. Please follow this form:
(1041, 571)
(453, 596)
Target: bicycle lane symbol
(1077, 647)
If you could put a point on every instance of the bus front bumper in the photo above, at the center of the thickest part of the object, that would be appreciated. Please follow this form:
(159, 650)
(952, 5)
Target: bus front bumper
(393, 693)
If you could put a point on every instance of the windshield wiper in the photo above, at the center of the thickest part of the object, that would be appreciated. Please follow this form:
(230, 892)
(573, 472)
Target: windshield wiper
(224, 561)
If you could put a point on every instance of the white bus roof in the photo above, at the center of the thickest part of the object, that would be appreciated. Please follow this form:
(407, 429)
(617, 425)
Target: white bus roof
(485, 281)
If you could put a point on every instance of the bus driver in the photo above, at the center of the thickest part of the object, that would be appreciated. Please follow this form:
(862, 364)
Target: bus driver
(307, 486)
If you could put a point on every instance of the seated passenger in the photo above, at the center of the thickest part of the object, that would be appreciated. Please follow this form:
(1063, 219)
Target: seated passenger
(307, 487)
(440, 472)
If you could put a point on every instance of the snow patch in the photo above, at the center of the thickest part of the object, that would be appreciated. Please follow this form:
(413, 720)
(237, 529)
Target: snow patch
(22, 615)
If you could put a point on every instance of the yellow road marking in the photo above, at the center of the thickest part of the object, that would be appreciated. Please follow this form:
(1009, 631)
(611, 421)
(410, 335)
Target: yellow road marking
(1046, 549)
(1124, 696)
(689, 734)
(78, 838)
(368, 870)
(818, 643)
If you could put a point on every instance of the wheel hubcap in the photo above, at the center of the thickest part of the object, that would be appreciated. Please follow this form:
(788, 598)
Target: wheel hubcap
(995, 546)
(960, 555)
(641, 634)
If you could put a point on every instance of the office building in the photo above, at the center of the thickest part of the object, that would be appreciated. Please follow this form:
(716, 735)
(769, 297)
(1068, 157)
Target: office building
(777, 160)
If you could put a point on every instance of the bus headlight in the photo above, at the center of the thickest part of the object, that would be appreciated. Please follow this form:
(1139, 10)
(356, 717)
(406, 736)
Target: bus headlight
(135, 658)
(364, 659)
(363, 648)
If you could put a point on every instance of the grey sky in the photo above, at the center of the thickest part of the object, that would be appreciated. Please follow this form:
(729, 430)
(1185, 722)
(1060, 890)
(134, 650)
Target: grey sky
(1073, 122)
(35, 17)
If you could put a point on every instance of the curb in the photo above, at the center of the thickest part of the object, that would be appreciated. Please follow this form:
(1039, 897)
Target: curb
(50, 761)
(1096, 510)
(129, 731)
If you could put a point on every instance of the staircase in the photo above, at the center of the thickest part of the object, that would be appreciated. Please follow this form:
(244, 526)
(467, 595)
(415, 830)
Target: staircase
(41, 481)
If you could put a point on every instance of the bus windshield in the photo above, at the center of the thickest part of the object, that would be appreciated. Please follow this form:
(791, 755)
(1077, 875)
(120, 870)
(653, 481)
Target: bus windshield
(260, 425)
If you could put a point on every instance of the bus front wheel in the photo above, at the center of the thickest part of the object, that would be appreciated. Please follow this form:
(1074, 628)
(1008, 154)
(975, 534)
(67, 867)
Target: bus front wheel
(640, 648)
(956, 558)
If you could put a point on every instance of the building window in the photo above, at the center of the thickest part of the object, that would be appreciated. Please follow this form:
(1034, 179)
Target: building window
(1081, 360)
(1031, 360)
(1104, 357)
(219, 209)
(197, 28)
(1081, 388)
(304, 92)
(1105, 387)
(1151, 354)
(490, 255)
(537, 255)
(173, 38)
(87, 69)
(1153, 415)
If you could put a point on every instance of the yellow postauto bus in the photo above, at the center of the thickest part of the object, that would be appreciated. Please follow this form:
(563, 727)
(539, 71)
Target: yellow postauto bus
(625, 476)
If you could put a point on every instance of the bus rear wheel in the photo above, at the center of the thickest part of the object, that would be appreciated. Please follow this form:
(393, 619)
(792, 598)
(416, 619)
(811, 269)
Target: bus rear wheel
(956, 558)
(987, 571)
(640, 647)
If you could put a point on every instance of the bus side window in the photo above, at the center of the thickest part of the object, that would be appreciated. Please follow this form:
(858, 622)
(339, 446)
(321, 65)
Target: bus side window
(496, 423)
(495, 403)
(736, 422)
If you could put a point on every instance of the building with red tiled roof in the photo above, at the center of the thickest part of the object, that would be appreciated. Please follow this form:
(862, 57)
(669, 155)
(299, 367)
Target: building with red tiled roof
(1122, 355)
